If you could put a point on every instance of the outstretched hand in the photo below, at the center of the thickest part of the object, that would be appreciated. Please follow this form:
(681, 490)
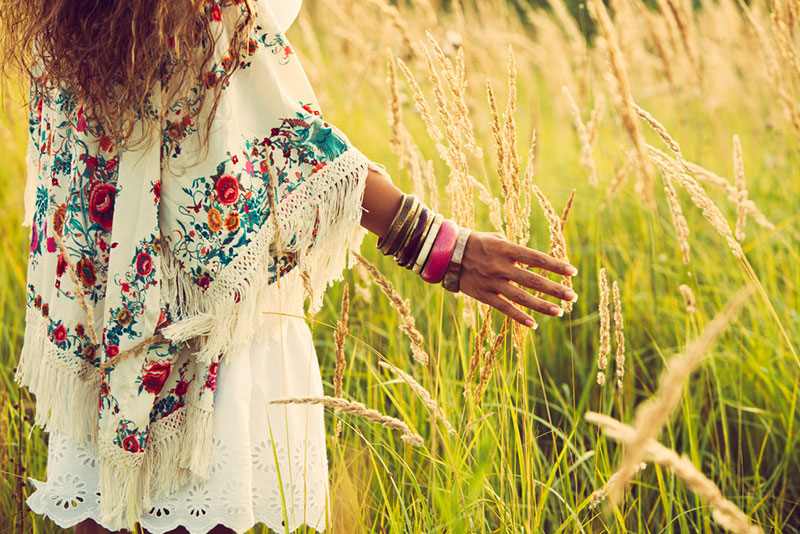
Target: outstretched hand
(489, 265)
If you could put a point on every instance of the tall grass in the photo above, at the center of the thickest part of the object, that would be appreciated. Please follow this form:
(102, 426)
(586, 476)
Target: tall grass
(523, 458)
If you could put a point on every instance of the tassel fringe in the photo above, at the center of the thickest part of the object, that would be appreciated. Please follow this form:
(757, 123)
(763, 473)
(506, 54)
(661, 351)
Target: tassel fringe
(66, 390)
(224, 324)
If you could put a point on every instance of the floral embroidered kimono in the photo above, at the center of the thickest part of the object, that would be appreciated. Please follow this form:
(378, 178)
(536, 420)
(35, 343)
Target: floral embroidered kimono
(186, 267)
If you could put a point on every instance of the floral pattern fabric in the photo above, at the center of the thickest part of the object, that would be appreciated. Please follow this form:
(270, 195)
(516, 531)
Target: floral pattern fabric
(196, 255)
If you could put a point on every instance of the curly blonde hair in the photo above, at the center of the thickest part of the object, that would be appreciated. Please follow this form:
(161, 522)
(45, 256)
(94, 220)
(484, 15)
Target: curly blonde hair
(110, 54)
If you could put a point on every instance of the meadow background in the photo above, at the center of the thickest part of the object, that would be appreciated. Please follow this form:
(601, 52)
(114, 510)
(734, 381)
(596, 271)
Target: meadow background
(523, 458)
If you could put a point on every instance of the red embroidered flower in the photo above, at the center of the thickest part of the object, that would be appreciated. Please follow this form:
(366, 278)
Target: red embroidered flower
(101, 204)
(79, 329)
(60, 333)
(216, 14)
(104, 389)
(86, 272)
(211, 378)
(81, 120)
(154, 374)
(61, 265)
(252, 46)
(204, 282)
(112, 350)
(106, 144)
(211, 79)
(130, 444)
(111, 164)
(45, 310)
(37, 301)
(227, 189)
(181, 388)
(144, 263)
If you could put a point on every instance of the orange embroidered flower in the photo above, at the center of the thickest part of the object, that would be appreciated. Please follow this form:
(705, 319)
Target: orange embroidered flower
(124, 317)
(85, 270)
(58, 219)
(214, 219)
(232, 222)
(174, 130)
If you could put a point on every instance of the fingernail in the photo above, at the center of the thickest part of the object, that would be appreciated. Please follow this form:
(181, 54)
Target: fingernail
(558, 312)
(530, 323)
(572, 271)
(571, 296)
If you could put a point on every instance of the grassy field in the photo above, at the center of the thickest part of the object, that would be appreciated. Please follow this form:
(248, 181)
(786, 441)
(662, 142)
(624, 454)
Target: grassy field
(523, 457)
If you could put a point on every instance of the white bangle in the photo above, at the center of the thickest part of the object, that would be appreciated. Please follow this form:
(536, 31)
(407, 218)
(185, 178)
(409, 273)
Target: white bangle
(426, 246)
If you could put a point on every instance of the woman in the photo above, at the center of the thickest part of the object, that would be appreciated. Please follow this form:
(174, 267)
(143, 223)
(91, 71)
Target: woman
(185, 195)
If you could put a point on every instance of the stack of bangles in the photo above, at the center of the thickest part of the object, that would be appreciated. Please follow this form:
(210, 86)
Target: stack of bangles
(426, 243)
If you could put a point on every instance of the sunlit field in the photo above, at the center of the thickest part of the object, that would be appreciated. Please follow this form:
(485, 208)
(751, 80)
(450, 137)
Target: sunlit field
(677, 126)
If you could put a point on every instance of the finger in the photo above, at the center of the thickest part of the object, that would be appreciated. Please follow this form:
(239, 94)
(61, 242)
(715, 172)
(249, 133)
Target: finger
(540, 283)
(520, 296)
(496, 301)
(536, 258)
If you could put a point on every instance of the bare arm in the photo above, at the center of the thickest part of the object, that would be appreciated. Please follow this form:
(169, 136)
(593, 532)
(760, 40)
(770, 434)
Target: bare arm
(490, 260)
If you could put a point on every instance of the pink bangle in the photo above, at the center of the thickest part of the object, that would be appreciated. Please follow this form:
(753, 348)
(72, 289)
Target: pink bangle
(440, 254)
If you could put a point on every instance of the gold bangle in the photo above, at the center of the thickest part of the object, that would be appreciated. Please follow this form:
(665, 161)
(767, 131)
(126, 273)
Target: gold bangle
(407, 235)
(392, 247)
(394, 225)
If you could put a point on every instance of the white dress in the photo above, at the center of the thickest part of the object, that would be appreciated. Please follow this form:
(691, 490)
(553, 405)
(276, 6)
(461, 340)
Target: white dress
(244, 487)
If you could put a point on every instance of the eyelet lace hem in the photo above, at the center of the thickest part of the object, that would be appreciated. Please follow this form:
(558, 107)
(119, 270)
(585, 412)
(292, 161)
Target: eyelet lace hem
(71, 493)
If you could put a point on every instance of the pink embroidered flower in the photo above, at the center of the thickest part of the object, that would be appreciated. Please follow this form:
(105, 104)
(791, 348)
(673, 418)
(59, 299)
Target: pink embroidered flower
(112, 350)
(34, 237)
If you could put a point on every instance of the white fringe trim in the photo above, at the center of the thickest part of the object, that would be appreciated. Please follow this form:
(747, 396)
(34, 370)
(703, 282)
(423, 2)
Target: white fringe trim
(66, 389)
(179, 445)
(224, 324)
